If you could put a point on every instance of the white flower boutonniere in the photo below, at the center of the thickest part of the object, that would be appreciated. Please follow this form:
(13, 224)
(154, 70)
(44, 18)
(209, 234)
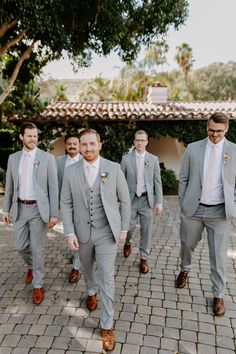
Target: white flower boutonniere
(36, 163)
(104, 176)
(146, 163)
(226, 157)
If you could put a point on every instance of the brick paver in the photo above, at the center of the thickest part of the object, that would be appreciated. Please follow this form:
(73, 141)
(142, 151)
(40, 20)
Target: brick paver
(151, 315)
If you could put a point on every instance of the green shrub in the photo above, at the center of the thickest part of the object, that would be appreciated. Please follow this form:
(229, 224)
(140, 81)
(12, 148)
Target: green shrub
(2, 178)
(169, 182)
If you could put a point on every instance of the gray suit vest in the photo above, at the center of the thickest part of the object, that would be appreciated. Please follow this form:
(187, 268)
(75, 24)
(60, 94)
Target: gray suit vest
(97, 216)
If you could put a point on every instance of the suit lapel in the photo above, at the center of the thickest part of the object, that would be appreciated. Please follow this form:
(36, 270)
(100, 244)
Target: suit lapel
(80, 177)
(17, 165)
(133, 162)
(201, 158)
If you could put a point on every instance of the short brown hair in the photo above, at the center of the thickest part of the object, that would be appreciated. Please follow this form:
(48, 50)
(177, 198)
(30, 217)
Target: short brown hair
(27, 125)
(219, 117)
(89, 131)
(141, 132)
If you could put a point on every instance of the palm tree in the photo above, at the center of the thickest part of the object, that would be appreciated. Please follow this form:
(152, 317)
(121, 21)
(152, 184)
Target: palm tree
(155, 56)
(184, 59)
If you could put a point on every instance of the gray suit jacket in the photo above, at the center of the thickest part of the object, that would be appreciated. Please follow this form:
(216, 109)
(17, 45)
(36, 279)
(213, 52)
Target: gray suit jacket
(152, 176)
(45, 184)
(191, 177)
(61, 164)
(114, 195)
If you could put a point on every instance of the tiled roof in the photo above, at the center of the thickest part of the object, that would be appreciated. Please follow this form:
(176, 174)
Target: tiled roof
(130, 111)
(70, 111)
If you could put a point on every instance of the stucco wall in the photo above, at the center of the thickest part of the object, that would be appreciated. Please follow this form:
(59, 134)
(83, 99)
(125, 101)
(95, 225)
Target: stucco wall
(169, 152)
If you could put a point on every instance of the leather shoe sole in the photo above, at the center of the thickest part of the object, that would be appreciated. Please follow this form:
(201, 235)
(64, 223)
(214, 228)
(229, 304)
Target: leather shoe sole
(109, 340)
(218, 306)
(127, 250)
(91, 302)
(143, 266)
(38, 296)
(74, 276)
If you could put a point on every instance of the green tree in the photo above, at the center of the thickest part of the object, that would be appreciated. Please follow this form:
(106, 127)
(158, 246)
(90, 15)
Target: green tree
(95, 90)
(216, 81)
(184, 58)
(51, 28)
(155, 56)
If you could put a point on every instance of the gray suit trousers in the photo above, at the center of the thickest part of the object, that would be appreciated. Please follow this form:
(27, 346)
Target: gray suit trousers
(101, 247)
(191, 229)
(141, 212)
(30, 231)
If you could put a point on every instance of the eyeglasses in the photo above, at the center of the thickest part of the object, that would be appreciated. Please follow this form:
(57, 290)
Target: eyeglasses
(140, 140)
(218, 132)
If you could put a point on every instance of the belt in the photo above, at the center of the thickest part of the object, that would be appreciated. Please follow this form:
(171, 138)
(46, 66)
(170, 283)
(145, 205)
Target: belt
(210, 205)
(27, 202)
(142, 195)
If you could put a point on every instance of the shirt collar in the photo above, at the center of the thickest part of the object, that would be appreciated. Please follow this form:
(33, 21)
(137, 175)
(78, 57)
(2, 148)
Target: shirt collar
(75, 158)
(140, 155)
(95, 163)
(31, 153)
(219, 145)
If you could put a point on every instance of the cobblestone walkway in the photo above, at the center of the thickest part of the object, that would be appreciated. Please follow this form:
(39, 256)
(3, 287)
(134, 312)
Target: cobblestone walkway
(151, 315)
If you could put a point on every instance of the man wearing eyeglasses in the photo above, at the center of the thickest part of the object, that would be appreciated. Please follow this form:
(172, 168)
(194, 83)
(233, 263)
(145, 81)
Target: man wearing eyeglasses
(207, 194)
(142, 173)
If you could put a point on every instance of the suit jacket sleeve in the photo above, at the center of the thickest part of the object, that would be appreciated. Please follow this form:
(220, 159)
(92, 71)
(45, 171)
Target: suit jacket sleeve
(9, 188)
(123, 165)
(124, 199)
(184, 176)
(66, 206)
(53, 186)
(158, 194)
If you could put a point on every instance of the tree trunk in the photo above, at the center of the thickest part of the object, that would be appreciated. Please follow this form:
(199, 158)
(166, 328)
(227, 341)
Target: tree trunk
(13, 77)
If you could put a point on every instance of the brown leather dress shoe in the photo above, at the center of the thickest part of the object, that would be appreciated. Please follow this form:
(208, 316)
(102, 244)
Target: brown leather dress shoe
(92, 302)
(38, 296)
(218, 306)
(109, 340)
(127, 250)
(74, 276)
(29, 276)
(181, 280)
(143, 266)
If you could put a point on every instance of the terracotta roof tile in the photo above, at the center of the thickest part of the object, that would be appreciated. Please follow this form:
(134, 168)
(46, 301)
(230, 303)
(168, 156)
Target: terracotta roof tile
(129, 111)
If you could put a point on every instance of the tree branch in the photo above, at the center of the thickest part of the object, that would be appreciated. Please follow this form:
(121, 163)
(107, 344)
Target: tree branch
(12, 42)
(6, 26)
(13, 77)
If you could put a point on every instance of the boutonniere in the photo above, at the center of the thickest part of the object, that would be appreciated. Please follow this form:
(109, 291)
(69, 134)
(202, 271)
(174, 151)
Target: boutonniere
(226, 157)
(36, 163)
(104, 176)
(146, 163)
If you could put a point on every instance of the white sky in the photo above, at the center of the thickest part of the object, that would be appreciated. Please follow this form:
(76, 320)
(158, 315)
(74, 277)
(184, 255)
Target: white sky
(209, 30)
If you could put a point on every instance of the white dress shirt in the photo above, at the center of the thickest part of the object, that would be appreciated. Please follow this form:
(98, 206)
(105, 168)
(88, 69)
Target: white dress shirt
(95, 165)
(142, 158)
(71, 160)
(30, 195)
(217, 195)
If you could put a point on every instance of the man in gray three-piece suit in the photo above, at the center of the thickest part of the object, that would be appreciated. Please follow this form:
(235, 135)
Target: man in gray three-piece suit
(207, 198)
(95, 208)
(73, 155)
(32, 191)
(142, 173)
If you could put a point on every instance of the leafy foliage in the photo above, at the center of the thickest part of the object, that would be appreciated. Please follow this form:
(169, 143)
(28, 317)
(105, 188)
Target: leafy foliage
(51, 28)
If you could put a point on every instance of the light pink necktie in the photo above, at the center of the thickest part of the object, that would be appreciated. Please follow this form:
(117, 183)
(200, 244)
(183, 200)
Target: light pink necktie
(90, 175)
(24, 175)
(139, 176)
